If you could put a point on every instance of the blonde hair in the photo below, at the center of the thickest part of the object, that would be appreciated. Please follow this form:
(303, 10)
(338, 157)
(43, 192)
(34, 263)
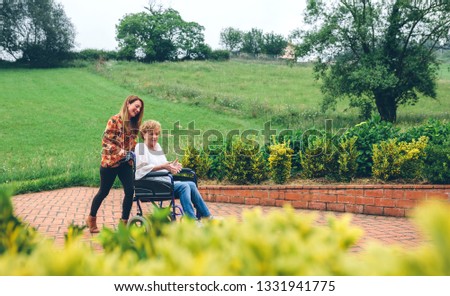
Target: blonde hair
(131, 124)
(149, 125)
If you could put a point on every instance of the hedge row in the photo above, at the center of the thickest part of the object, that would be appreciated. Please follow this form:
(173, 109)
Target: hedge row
(370, 149)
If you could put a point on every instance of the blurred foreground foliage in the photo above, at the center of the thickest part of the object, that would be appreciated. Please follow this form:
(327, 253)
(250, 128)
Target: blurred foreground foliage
(281, 242)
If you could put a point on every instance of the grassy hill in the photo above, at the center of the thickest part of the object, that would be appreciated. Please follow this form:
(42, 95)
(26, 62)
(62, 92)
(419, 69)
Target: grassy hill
(290, 97)
(52, 120)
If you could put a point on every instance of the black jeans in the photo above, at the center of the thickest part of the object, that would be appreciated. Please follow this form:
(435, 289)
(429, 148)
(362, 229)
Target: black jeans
(107, 178)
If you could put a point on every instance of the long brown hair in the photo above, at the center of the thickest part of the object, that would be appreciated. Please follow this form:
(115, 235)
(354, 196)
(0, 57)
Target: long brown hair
(131, 124)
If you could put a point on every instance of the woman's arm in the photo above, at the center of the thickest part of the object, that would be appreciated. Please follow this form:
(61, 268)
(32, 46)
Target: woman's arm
(173, 167)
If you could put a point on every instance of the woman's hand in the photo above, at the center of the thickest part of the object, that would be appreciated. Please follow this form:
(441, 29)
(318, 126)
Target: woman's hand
(174, 167)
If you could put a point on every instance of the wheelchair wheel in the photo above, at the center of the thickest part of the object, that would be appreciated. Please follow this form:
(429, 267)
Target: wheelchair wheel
(139, 222)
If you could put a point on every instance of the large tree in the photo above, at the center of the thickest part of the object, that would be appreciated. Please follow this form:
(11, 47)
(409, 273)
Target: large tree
(158, 35)
(231, 38)
(377, 53)
(253, 41)
(36, 32)
(274, 44)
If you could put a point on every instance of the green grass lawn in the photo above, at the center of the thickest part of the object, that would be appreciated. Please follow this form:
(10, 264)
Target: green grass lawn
(52, 120)
(429, 108)
(243, 88)
(274, 84)
(288, 96)
(52, 123)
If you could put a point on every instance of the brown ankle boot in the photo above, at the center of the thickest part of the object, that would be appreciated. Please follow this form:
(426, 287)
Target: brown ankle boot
(124, 222)
(91, 222)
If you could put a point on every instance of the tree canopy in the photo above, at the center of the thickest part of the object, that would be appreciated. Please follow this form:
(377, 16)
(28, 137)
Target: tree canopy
(36, 32)
(377, 53)
(158, 35)
(274, 44)
(253, 42)
(231, 39)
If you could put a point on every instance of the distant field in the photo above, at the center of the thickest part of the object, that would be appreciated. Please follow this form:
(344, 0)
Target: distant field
(52, 120)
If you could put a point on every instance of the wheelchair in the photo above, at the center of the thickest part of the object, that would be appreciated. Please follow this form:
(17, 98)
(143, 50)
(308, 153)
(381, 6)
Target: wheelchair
(158, 192)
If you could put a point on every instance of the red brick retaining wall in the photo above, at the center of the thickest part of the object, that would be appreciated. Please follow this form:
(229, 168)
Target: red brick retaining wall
(383, 200)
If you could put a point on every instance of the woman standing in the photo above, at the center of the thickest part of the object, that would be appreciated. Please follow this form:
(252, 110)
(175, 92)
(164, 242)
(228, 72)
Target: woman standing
(119, 140)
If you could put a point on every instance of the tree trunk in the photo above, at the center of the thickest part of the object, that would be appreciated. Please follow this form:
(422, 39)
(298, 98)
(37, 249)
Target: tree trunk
(386, 106)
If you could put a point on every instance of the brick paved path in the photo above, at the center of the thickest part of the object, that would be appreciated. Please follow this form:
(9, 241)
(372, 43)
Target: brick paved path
(50, 212)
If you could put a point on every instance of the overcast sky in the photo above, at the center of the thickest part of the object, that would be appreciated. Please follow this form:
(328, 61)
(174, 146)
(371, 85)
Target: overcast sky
(95, 20)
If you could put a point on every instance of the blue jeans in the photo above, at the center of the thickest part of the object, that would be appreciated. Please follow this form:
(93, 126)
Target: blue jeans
(188, 194)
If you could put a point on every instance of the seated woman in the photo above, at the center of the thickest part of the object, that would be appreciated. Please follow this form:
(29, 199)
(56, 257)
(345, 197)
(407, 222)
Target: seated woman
(150, 158)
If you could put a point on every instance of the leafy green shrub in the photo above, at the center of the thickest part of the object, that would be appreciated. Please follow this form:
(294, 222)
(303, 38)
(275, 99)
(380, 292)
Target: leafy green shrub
(348, 158)
(437, 163)
(243, 161)
(197, 160)
(394, 160)
(15, 236)
(369, 133)
(319, 158)
(280, 162)
(218, 169)
(73, 233)
(260, 168)
(219, 55)
(436, 131)
(95, 54)
(200, 52)
(335, 158)
(294, 138)
(280, 242)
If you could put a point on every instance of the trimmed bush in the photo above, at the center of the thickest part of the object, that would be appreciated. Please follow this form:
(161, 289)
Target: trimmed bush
(243, 162)
(218, 169)
(294, 138)
(219, 55)
(280, 162)
(437, 163)
(348, 158)
(394, 160)
(319, 158)
(197, 160)
(335, 159)
(369, 133)
(260, 168)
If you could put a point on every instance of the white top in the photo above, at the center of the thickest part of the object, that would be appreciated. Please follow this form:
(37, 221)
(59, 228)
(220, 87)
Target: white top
(147, 159)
